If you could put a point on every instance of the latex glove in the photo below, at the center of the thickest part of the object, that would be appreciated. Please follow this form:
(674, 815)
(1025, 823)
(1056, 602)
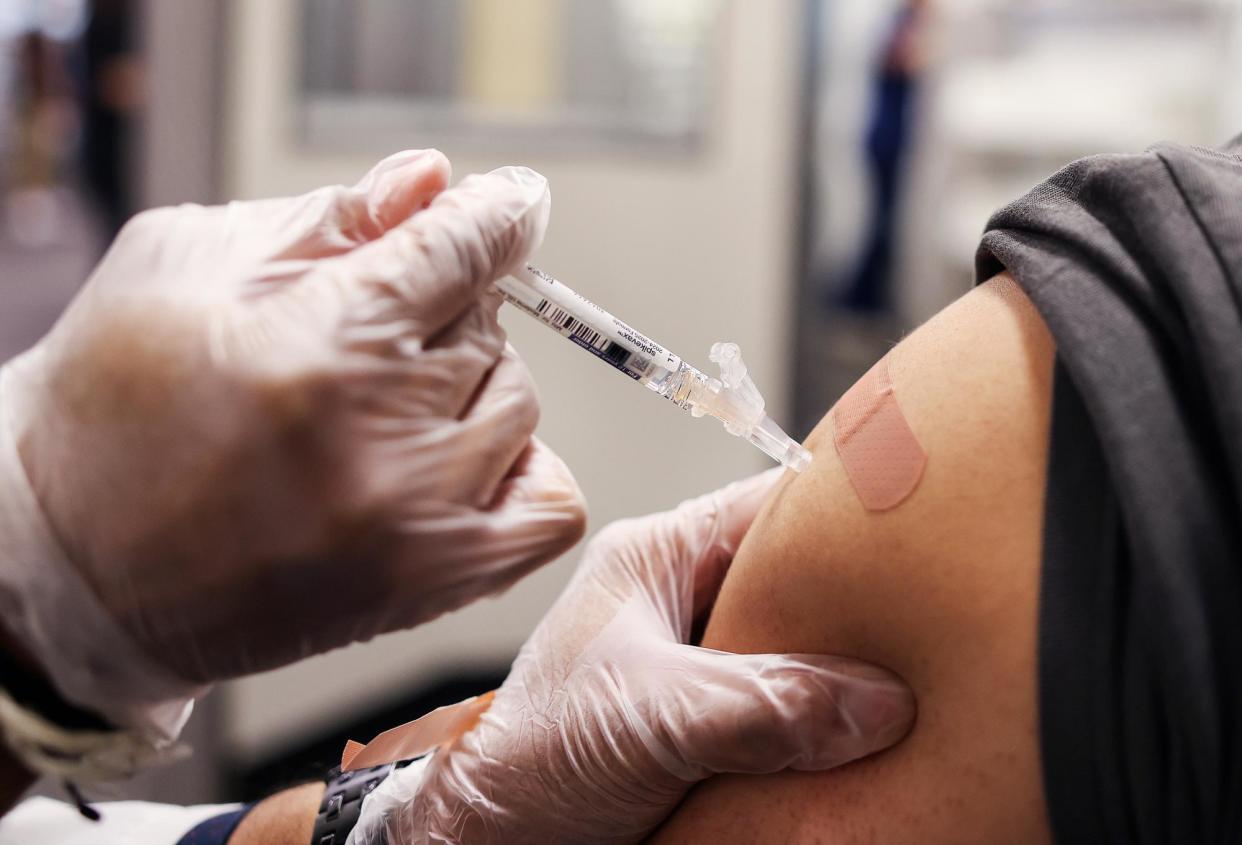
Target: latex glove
(608, 717)
(267, 429)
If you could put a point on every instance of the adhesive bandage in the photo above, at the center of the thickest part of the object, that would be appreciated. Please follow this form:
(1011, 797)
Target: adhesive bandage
(881, 455)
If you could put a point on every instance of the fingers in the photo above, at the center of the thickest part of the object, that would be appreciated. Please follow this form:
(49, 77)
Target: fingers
(431, 268)
(439, 459)
(463, 355)
(496, 429)
(713, 527)
(537, 479)
(537, 513)
(437, 383)
(678, 559)
(762, 713)
(420, 461)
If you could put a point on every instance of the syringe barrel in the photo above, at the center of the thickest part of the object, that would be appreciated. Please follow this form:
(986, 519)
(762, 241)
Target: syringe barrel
(586, 324)
(737, 404)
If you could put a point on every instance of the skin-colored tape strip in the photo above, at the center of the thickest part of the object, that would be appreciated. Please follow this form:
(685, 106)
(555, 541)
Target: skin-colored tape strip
(881, 455)
(414, 739)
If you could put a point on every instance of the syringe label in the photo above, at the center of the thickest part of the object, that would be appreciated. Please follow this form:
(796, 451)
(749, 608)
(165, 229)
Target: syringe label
(631, 363)
(587, 325)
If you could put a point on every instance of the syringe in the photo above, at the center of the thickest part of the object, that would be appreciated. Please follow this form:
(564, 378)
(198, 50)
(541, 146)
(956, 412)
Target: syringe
(733, 398)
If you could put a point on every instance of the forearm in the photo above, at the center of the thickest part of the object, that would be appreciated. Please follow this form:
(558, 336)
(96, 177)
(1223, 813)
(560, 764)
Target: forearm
(286, 818)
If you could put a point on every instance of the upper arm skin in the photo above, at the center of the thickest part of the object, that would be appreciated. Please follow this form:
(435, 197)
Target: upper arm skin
(941, 589)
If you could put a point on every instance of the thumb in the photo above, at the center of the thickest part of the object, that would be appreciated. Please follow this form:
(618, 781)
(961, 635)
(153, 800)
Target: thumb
(713, 527)
(761, 713)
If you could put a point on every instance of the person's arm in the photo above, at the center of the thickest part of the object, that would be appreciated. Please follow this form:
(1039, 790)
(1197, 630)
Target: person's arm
(942, 589)
(609, 714)
(286, 818)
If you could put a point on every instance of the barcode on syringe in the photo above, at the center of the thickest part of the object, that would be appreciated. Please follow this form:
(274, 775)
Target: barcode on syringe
(632, 364)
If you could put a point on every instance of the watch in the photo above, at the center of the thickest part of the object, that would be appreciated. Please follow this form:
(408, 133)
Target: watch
(341, 806)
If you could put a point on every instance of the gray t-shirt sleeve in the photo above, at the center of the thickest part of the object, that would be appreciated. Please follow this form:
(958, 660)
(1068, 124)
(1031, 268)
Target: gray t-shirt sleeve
(1135, 263)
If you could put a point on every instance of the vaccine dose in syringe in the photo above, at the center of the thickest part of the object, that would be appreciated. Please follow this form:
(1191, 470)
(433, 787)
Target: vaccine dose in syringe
(733, 398)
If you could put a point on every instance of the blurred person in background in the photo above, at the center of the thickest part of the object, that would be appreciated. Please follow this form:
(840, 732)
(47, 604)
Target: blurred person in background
(112, 98)
(890, 132)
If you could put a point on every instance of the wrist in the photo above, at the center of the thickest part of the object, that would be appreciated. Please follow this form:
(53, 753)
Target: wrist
(53, 620)
(78, 700)
(43, 734)
(285, 818)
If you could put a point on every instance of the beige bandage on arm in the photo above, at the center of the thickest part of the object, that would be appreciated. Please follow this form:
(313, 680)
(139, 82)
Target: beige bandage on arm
(881, 455)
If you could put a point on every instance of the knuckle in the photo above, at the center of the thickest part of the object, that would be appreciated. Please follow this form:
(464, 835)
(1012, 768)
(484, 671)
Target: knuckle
(576, 513)
(571, 511)
(616, 534)
(333, 208)
(435, 159)
(303, 425)
(526, 407)
(303, 411)
(147, 223)
(480, 337)
(516, 401)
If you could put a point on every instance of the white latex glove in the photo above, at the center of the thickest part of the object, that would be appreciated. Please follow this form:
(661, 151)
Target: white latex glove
(608, 716)
(267, 429)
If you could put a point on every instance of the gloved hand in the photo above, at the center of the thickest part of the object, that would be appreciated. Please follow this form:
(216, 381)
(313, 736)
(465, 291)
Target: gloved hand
(608, 716)
(267, 429)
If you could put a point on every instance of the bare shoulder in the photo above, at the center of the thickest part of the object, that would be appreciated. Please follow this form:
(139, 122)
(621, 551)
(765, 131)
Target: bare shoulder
(941, 588)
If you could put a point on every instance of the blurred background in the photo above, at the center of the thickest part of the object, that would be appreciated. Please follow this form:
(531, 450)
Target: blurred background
(805, 177)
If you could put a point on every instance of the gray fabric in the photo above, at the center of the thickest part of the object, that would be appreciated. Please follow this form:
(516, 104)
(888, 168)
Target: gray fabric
(1135, 263)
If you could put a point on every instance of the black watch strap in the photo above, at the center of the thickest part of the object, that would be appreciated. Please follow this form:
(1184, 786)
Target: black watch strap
(342, 802)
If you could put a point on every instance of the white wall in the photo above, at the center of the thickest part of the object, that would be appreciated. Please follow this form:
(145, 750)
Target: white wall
(690, 248)
(181, 50)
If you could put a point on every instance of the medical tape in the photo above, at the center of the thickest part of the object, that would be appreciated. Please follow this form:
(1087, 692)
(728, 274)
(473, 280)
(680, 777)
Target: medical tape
(881, 455)
(441, 726)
